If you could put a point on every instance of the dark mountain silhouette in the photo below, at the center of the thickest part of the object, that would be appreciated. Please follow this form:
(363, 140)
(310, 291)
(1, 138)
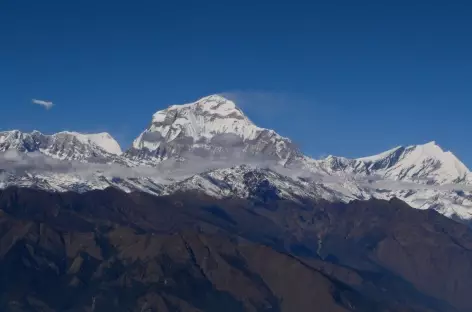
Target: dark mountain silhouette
(112, 251)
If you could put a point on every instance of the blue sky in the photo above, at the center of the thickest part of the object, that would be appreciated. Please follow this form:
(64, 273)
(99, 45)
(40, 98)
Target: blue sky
(348, 78)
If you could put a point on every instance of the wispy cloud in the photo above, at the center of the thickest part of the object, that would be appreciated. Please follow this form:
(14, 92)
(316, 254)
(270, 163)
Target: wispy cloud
(264, 104)
(45, 104)
(170, 171)
(270, 109)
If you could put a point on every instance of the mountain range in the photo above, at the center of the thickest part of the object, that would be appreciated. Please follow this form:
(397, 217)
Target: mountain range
(207, 212)
(212, 147)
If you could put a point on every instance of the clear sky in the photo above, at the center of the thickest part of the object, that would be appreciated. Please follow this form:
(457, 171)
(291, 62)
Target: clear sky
(348, 78)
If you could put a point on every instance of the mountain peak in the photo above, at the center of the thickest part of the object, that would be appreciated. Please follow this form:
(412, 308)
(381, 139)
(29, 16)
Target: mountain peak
(431, 148)
(103, 140)
(106, 142)
(212, 124)
(210, 105)
(64, 145)
(427, 162)
(213, 98)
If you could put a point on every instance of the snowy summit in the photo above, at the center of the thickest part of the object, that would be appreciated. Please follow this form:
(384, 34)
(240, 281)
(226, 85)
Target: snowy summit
(63, 145)
(211, 126)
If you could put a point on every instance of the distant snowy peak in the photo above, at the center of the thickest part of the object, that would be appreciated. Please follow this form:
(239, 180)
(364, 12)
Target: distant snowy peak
(427, 164)
(210, 127)
(200, 120)
(214, 106)
(103, 140)
(65, 145)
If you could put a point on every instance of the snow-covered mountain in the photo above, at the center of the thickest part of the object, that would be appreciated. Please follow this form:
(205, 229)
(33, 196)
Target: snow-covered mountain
(210, 127)
(211, 146)
(424, 164)
(100, 147)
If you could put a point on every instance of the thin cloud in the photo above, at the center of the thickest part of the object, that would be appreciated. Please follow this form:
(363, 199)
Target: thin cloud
(45, 104)
(170, 171)
(267, 108)
(262, 104)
